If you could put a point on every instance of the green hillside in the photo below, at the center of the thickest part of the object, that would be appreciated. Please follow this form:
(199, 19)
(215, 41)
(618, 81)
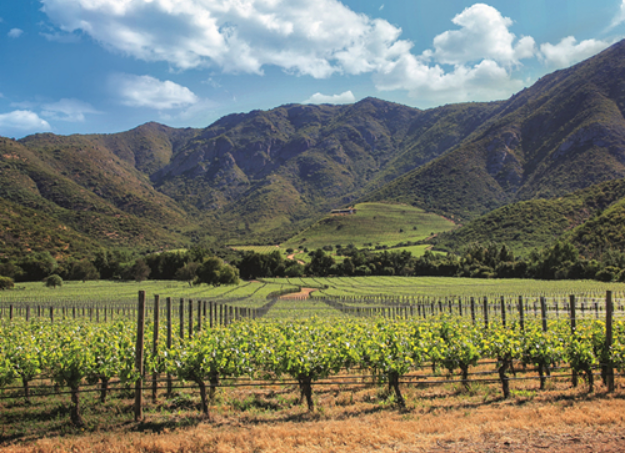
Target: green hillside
(25, 230)
(591, 218)
(373, 224)
(602, 232)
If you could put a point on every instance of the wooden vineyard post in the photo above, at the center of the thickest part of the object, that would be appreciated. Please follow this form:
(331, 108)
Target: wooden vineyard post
(573, 329)
(230, 314)
(190, 318)
(199, 316)
(27, 313)
(181, 317)
(11, 312)
(543, 312)
(609, 369)
(51, 314)
(155, 344)
(521, 313)
(168, 313)
(473, 310)
(460, 306)
(139, 356)
(211, 314)
(503, 311)
(486, 312)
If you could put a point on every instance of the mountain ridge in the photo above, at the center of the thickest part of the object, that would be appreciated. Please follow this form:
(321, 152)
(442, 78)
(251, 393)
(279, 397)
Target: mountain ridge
(265, 174)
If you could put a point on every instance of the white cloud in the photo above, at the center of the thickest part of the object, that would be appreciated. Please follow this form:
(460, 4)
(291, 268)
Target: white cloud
(484, 34)
(343, 98)
(20, 122)
(146, 91)
(433, 86)
(15, 33)
(317, 38)
(71, 110)
(620, 16)
(568, 52)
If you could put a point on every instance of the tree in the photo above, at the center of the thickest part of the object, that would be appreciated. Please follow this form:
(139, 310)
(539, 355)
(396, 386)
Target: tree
(138, 272)
(53, 281)
(37, 266)
(214, 271)
(188, 272)
(320, 264)
(83, 270)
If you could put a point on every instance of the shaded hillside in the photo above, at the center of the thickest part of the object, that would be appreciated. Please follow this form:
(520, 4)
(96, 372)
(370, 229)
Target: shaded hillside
(88, 189)
(531, 224)
(564, 133)
(268, 172)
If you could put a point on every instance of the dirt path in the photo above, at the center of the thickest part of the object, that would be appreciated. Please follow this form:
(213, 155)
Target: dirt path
(292, 257)
(303, 294)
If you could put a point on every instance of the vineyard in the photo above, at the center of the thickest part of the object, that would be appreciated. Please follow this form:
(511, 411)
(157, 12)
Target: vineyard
(95, 355)
(172, 347)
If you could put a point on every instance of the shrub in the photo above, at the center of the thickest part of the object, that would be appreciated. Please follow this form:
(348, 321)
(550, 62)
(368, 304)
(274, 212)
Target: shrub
(6, 283)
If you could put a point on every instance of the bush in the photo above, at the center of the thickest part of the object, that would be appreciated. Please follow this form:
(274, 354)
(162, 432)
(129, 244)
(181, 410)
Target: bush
(607, 275)
(6, 283)
(53, 281)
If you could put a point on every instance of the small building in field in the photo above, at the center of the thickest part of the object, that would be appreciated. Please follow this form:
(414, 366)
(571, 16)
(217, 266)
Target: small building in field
(350, 210)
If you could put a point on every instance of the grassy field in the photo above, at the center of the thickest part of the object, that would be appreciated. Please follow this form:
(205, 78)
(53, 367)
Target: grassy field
(108, 291)
(259, 248)
(448, 286)
(375, 224)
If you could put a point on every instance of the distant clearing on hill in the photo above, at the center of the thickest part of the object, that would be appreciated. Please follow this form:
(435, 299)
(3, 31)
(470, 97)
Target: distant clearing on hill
(373, 224)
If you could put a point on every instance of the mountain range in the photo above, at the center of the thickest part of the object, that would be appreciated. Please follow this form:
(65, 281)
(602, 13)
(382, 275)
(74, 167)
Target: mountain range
(263, 175)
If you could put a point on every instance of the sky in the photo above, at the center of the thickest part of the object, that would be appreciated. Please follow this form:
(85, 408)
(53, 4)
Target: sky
(104, 66)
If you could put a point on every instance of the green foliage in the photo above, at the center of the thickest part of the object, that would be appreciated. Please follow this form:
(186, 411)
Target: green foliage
(214, 271)
(53, 281)
(6, 283)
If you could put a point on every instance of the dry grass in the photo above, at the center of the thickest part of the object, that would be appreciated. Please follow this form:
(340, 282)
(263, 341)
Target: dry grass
(356, 419)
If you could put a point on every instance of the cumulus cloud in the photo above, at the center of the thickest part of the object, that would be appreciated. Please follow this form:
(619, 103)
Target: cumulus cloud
(15, 33)
(569, 51)
(146, 91)
(317, 38)
(479, 59)
(484, 81)
(343, 98)
(22, 122)
(72, 110)
(484, 35)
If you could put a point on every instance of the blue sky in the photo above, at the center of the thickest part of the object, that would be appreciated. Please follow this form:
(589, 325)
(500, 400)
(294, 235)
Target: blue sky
(82, 66)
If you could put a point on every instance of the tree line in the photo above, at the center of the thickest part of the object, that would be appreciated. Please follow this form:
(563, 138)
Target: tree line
(562, 260)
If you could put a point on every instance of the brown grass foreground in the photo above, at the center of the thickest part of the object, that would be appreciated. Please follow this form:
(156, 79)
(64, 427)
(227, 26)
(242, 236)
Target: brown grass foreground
(352, 420)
